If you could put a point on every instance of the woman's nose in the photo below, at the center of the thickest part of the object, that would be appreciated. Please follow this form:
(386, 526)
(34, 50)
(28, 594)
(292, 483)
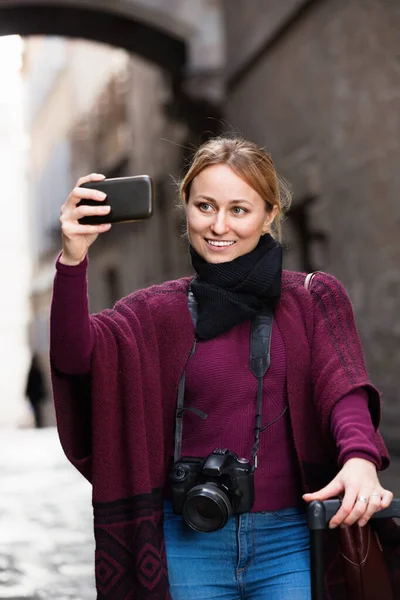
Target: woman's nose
(220, 224)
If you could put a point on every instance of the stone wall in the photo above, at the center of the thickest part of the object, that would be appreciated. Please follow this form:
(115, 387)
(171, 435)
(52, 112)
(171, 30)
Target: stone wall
(322, 94)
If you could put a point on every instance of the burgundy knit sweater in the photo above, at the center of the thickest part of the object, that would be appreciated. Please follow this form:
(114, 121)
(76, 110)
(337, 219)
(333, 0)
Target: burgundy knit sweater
(116, 423)
(220, 383)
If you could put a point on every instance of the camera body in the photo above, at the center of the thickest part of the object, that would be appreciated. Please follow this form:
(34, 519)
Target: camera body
(222, 478)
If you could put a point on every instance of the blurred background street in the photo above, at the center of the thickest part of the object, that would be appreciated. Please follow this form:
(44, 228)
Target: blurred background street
(133, 87)
(46, 532)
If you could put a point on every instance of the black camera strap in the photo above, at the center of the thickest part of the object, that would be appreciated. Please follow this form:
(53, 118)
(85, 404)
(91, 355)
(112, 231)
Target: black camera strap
(260, 358)
(180, 410)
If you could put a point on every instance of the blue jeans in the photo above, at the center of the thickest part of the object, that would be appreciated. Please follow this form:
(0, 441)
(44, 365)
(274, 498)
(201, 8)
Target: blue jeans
(256, 556)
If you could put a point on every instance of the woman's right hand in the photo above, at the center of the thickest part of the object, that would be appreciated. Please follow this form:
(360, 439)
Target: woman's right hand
(77, 238)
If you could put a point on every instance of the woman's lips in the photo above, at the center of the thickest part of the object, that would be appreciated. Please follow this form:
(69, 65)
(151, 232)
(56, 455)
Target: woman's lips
(219, 245)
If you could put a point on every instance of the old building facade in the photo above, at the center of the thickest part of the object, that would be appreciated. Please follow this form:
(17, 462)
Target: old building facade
(94, 108)
(318, 84)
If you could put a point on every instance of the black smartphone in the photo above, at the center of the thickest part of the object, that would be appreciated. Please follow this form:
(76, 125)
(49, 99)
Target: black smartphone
(130, 198)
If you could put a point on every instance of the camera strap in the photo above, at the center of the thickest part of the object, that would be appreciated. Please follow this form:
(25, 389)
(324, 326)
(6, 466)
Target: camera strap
(260, 359)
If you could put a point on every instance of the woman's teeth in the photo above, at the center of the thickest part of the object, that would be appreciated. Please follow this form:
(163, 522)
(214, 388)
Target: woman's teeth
(215, 243)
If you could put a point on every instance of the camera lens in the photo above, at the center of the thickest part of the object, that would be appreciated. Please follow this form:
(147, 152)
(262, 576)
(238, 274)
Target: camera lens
(207, 508)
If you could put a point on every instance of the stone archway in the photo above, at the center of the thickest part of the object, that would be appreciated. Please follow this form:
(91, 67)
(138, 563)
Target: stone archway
(90, 20)
(176, 34)
(183, 37)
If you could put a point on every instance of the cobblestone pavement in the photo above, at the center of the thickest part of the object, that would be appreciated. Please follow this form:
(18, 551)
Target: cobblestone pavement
(46, 539)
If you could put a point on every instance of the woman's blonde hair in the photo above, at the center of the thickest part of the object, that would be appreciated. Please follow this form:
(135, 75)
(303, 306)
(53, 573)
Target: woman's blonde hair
(250, 162)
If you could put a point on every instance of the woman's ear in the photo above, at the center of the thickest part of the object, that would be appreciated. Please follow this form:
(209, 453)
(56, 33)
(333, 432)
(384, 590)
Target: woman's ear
(269, 219)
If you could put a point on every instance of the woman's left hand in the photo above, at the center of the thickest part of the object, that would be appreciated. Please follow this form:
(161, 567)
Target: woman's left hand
(362, 493)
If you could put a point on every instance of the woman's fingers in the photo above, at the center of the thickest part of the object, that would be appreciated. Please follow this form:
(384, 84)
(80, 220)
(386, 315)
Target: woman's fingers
(91, 177)
(69, 218)
(387, 497)
(374, 504)
(76, 237)
(376, 501)
(359, 507)
(89, 211)
(78, 229)
(345, 509)
(86, 193)
(79, 194)
(334, 488)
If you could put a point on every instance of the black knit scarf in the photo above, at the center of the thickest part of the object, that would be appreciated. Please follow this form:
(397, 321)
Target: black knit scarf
(232, 292)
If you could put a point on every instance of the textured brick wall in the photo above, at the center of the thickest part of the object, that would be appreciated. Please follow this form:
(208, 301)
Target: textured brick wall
(324, 99)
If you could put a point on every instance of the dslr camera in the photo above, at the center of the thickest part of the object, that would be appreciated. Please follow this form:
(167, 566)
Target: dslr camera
(207, 491)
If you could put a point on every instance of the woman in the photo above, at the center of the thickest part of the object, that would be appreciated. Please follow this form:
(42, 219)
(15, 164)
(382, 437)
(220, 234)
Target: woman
(116, 376)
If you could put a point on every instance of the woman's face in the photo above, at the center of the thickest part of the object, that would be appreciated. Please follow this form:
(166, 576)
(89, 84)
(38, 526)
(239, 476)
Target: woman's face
(225, 216)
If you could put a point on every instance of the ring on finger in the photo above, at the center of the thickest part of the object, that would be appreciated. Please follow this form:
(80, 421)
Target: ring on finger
(363, 499)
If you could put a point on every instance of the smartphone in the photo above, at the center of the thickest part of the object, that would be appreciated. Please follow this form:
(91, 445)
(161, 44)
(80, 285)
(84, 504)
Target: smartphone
(130, 198)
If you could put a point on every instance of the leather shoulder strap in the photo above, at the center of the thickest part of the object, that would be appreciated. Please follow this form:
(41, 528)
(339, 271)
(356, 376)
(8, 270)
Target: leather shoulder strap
(308, 280)
(260, 343)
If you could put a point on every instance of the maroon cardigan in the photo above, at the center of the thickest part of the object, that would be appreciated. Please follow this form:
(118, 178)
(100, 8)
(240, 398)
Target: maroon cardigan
(116, 425)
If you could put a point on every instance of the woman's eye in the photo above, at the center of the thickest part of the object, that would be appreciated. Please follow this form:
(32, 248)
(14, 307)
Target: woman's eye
(238, 210)
(204, 206)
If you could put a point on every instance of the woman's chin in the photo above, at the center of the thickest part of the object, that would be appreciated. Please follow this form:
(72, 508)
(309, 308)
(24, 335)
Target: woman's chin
(216, 254)
(219, 257)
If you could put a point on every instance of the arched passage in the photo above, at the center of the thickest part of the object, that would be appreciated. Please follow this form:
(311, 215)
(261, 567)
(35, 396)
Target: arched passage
(96, 24)
(174, 34)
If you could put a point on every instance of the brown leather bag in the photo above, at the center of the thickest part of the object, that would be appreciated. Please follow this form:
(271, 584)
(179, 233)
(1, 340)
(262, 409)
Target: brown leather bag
(365, 570)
